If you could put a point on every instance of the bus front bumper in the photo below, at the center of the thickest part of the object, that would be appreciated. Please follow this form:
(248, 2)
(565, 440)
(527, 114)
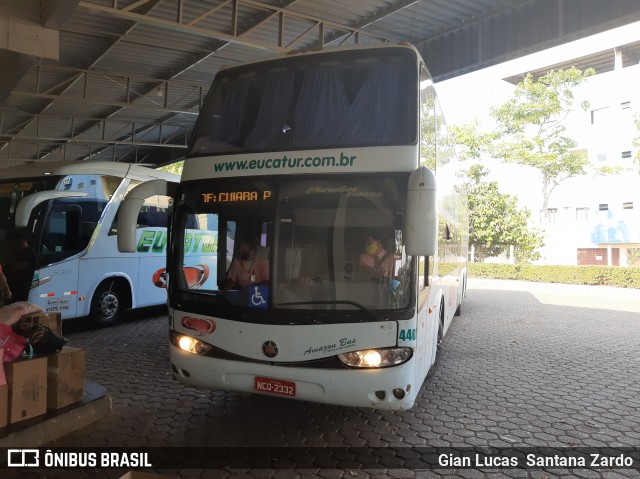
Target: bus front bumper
(388, 388)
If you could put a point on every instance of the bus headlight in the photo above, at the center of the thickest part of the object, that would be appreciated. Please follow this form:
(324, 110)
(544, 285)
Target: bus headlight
(189, 344)
(376, 358)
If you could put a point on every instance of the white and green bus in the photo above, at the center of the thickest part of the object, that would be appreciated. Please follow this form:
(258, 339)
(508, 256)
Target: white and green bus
(307, 155)
(69, 211)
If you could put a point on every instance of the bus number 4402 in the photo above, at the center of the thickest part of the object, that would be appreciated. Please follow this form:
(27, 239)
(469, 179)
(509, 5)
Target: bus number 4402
(407, 335)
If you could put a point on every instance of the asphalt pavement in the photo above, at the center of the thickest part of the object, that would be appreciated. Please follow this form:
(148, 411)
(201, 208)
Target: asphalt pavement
(525, 366)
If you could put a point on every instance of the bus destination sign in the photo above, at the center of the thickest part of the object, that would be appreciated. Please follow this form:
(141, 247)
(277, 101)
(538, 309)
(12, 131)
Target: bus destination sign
(237, 196)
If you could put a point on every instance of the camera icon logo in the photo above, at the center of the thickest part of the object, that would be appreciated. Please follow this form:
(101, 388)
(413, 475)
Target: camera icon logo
(23, 458)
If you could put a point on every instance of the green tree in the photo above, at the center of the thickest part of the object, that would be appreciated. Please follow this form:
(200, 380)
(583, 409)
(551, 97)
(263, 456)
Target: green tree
(633, 257)
(496, 221)
(531, 130)
(173, 167)
(471, 143)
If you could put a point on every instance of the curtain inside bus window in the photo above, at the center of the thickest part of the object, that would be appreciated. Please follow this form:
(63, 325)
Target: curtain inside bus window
(273, 121)
(223, 120)
(373, 116)
(320, 107)
(232, 116)
(344, 99)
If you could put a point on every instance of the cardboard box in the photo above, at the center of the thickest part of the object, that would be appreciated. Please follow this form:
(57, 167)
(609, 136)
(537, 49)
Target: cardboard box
(4, 405)
(65, 377)
(52, 320)
(27, 380)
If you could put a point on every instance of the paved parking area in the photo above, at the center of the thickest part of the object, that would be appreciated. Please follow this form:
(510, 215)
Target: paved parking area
(524, 365)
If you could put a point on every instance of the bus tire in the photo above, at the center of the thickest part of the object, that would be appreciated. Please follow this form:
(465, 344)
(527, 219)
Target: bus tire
(108, 304)
(463, 294)
(440, 329)
(438, 341)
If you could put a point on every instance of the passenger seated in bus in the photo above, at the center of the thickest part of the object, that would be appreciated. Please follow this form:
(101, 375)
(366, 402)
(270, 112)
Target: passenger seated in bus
(375, 260)
(247, 268)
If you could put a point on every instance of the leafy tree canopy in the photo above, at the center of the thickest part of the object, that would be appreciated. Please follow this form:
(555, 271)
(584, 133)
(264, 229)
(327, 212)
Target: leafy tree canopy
(175, 168)
(496, 221)
(531, 130)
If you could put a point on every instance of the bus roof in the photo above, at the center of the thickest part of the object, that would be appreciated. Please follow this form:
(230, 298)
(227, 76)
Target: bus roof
(326, 49)
(320, 51)
(112, 168)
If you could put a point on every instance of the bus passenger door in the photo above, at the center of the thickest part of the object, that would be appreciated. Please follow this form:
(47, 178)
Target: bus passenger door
(151, 248)
(57, 255)
(152, 277)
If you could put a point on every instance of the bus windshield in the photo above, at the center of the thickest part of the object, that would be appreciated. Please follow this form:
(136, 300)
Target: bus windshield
(345, 99)
(61, 227)
(13, 190)
(321, 243)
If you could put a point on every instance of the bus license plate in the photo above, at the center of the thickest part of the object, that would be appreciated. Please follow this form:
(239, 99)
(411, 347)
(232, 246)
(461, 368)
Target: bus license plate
(275, 386)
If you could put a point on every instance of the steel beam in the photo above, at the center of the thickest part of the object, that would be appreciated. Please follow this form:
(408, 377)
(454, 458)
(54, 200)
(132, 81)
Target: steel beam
(36, 140)
(282, 14)
(515, 31)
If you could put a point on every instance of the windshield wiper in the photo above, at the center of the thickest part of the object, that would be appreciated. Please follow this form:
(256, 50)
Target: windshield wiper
(352, 303)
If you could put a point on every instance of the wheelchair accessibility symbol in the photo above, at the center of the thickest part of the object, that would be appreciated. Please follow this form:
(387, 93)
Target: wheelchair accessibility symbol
(258, 296)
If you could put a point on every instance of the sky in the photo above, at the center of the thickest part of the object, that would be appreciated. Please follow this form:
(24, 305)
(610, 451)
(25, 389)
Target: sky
(469, 98)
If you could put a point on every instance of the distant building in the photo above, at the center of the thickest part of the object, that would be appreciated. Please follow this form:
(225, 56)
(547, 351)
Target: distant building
(596, 220)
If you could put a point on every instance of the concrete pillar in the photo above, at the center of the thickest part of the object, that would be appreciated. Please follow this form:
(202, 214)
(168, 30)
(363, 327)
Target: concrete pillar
(617, 62)
(28, 38)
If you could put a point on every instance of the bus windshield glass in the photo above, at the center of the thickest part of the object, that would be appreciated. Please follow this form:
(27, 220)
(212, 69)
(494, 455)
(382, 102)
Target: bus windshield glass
(325, 243)
(61, 227)
(11, 193)
(348, 99)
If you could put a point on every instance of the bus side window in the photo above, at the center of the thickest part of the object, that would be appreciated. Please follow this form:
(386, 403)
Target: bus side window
(154, 214)
(91, 212)
(62, 237)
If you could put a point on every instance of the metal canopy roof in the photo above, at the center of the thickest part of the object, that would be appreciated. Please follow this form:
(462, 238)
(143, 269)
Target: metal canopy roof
(602, 62)
(123, 80)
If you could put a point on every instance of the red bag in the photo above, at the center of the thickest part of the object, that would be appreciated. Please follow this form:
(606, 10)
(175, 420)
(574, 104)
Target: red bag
(11, 343)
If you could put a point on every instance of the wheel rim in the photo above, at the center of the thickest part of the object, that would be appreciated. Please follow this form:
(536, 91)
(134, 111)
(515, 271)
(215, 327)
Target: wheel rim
(109, 304)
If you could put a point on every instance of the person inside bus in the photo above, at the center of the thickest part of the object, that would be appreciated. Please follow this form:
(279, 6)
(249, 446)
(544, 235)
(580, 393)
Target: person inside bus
(375, 260)
(247, 267)
(20, 267)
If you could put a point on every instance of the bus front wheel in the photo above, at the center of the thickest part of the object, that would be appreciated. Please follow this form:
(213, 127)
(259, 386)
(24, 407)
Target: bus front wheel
(440, 329)
(463, 294)
(108, 304)
(438, 341)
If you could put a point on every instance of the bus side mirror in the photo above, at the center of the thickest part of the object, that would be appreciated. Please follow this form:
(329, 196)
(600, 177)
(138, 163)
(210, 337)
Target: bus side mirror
(421, 223)
(130, 209)
(28, 203)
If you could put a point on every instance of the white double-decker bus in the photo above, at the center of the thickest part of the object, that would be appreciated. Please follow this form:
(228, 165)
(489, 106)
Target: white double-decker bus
(337, 167)
(69, 212)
